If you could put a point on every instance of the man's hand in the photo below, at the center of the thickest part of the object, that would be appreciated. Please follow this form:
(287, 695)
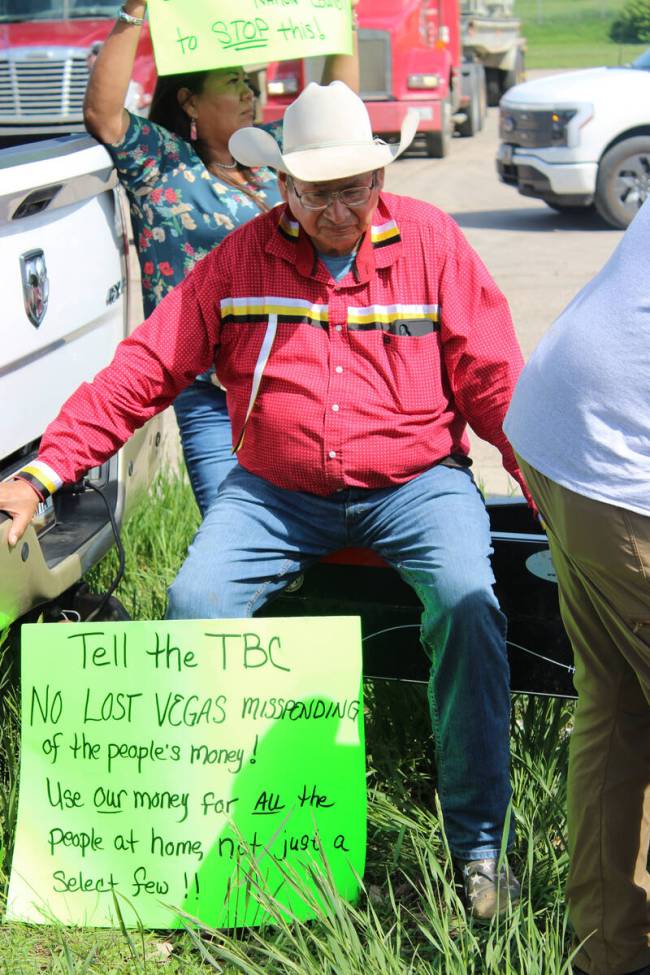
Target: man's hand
(20, 501)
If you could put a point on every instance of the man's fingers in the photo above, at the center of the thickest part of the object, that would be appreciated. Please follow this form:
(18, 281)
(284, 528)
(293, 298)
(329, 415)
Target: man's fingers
(18, 528)
(19, 501)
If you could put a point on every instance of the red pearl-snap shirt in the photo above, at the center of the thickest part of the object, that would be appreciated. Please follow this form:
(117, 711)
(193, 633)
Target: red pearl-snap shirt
(364, 382)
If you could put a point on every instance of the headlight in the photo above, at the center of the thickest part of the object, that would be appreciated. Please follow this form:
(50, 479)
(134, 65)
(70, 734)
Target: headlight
(559, 125)
(423, 81)
(536, 128)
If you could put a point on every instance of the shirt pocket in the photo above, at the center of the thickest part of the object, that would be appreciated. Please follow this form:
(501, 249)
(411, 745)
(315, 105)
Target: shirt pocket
(413, 359)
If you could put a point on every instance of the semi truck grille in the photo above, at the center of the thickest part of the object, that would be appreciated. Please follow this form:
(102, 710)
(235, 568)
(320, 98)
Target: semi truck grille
(35, 87)
(375, 65)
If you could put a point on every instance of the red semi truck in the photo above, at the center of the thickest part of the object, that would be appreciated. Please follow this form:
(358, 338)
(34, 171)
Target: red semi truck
(45, 48)
(410, 56)
(410, 52)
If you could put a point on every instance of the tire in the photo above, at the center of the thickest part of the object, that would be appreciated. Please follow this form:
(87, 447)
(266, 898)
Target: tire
(483, 105)
(568, 207)
(516, 75)
(475, 112)
(493, 86)
(438, 144)
(623, 181)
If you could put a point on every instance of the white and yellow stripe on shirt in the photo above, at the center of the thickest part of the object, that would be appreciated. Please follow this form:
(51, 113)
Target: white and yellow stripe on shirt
(239, 311)
(385, 233)
(386, 316)
(41, 475)
(290, 228)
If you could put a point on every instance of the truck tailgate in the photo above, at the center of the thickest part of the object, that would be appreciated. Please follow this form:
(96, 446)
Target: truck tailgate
(74, 294)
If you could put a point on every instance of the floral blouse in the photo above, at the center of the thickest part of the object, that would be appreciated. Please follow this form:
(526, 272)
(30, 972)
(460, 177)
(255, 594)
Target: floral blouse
(179, 209)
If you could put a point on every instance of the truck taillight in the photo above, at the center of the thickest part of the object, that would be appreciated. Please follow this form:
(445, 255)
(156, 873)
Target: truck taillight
(426, 81)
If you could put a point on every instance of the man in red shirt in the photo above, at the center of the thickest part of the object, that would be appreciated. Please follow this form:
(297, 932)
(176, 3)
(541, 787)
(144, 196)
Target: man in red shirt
(357, 334)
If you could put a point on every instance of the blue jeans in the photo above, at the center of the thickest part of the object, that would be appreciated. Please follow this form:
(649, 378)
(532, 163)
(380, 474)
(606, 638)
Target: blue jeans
(435, 532)
(206, 438)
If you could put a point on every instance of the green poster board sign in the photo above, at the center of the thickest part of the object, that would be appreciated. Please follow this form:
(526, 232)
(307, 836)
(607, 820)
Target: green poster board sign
(198, 35)
(178, 765)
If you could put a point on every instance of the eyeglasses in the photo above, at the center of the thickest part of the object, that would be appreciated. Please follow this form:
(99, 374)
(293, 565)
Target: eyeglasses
(351, 196)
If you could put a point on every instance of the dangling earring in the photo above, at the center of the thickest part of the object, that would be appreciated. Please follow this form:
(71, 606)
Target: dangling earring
(193, 133)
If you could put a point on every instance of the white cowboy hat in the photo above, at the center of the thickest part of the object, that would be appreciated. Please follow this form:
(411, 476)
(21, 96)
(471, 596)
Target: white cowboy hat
(326, 134)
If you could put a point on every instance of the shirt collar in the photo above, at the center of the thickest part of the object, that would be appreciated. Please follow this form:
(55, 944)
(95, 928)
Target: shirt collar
(380, 247)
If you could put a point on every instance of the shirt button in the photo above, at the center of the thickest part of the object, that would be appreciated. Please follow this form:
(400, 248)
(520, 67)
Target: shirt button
(339, 369)
(339, 328)
(336, 407)
(332, 454)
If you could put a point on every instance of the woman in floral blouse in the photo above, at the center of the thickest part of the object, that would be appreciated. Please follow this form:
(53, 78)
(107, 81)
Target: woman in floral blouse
(186, 194)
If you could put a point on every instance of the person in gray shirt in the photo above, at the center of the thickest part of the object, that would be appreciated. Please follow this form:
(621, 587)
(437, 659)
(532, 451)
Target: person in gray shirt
(579, 422)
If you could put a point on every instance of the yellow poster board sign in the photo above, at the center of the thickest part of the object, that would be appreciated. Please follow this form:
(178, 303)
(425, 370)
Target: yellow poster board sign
(177, 766)
(200, 35)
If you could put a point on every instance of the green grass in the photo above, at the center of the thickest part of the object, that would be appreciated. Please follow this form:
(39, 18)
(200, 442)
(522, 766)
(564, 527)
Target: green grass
(572, 33)
(410, 919)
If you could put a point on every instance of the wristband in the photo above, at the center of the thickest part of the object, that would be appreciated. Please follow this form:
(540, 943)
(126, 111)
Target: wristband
(35, 485)
(129, 19)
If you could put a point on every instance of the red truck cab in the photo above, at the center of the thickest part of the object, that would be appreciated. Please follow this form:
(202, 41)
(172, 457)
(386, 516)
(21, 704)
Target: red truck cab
(45, 47)
(410, 57)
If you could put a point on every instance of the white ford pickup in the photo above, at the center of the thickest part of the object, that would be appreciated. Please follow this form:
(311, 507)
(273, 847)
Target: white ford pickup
(580, 139)
(64, 272)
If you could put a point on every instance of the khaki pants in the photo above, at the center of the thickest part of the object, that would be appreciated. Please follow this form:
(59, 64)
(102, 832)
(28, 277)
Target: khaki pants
(601, 555)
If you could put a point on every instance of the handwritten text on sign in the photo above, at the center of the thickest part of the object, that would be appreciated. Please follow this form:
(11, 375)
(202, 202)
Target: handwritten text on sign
(166, 761)
(198, 35)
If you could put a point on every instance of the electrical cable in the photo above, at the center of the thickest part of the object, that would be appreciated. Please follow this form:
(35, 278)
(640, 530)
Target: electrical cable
(510, 643)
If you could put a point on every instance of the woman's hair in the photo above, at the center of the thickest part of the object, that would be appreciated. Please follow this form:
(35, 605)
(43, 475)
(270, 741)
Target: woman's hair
(165, 109)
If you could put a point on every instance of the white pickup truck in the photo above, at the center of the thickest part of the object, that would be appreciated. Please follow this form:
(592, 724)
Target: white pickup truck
(580, 139)
(64, 267)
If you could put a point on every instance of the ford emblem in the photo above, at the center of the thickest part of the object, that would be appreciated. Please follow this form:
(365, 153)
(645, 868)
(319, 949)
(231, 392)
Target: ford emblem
(36, 285)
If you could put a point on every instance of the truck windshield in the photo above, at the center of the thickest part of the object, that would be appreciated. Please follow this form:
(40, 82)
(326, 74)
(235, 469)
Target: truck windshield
(23, 10)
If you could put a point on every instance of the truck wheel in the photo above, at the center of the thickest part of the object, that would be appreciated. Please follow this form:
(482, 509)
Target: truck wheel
(483, 97)
(438, 144)
(517, 75)
(474, 120)
(569, 208)
(493, 85)
(623, 181)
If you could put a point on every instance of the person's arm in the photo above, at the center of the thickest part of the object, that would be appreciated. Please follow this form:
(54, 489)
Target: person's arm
(104, 112)
(481, 353)
(149, 369)
(344, 67)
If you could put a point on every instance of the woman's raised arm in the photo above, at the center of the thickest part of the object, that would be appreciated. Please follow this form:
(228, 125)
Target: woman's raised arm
(344, 67)
(104, 112)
